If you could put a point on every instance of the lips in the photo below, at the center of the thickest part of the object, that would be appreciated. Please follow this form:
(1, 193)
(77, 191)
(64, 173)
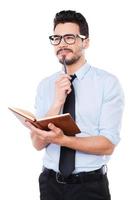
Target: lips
(64, 51)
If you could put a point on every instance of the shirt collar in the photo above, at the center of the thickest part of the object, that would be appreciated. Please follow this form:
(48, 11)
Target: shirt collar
(82, 71)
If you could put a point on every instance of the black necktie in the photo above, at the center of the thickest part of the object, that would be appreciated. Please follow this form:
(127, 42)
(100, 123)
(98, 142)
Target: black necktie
(67, 155)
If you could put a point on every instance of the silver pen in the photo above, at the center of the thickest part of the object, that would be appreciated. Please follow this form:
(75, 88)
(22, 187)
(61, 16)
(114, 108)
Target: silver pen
(64, 64)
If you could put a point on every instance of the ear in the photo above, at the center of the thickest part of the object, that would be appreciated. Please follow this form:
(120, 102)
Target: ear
(86, 43)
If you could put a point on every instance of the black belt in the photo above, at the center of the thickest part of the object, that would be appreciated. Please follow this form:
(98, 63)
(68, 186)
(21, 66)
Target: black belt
(80, 177)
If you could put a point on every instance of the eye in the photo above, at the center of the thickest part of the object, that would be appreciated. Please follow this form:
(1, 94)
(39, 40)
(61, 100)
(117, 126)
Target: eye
(69, 37)
(56, 38)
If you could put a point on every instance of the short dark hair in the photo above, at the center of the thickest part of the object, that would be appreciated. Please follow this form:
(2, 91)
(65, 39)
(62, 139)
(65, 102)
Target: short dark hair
(65, 16)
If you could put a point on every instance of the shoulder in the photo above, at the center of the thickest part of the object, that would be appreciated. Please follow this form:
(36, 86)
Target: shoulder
(105, 78)
(107, 81)
(102, 74)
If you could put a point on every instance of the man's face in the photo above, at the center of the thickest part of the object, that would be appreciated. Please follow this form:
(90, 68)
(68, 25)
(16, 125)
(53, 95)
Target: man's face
(70, 52)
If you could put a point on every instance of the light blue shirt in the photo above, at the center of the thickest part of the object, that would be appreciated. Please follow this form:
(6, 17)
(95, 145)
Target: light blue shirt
(99, 108)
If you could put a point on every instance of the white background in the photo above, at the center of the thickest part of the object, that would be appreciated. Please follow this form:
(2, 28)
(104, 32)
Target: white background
(26, 57)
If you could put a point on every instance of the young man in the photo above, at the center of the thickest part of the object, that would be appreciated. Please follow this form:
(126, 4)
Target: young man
(98, 112)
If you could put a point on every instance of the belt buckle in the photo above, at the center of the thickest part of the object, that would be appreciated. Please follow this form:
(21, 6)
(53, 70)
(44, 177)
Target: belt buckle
(58, 176)
(104, 169)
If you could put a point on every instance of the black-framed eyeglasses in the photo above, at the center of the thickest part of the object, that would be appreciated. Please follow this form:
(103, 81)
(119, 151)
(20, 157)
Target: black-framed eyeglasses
(68, 38)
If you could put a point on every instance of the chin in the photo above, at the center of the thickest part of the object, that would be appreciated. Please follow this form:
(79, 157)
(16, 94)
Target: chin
(68, 61)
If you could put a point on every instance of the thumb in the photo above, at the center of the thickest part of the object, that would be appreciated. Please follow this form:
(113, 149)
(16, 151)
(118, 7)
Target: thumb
(52, 127)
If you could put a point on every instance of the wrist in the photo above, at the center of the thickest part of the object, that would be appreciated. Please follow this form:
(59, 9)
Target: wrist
(54, 110)
(64, 141)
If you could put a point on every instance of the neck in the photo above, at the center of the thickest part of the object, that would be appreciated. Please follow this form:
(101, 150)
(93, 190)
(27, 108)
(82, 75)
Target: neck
(71, 69)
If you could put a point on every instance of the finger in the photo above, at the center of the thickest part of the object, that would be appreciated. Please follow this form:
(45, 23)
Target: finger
(53, 128)
(65, 87)
(64, 80)
(28, 124)
(31, 126)
(69, 90)
(64, 76)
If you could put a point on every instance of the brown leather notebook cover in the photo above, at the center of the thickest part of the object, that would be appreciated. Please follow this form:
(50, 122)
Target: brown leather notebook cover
(63, 121)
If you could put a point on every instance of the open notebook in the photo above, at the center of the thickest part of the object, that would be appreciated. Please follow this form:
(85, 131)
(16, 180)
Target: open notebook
(63, 121)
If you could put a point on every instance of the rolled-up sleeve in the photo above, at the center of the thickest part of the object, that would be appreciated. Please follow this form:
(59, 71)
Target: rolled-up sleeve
(112, 110)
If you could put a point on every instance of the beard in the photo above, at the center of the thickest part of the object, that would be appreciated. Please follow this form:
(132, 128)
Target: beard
(70, 61)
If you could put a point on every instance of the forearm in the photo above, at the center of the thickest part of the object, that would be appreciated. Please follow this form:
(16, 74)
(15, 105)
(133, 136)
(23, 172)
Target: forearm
(98, 145)
(54, 109)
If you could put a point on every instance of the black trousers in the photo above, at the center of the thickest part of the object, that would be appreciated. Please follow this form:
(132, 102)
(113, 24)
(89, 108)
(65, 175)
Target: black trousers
(83, 186)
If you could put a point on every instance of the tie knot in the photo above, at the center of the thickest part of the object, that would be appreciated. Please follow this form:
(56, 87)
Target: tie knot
(73, 77)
